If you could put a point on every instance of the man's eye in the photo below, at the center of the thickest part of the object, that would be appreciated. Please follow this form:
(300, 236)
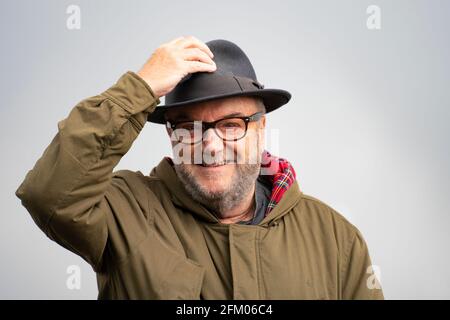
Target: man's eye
(231, 124)
(185, 126)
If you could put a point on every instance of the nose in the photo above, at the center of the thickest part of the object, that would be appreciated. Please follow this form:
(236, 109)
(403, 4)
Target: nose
(212, 142)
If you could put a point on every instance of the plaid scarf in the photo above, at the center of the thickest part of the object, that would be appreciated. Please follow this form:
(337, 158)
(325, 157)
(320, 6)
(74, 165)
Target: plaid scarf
(280, 174)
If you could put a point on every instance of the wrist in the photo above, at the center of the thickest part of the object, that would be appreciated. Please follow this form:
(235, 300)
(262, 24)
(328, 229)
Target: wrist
(153, 88)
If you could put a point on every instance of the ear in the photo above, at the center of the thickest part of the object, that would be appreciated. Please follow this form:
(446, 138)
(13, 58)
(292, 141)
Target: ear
(263, 121)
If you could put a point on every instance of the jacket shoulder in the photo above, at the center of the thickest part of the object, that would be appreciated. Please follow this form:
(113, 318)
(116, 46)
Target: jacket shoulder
(317, 206)
(326, 219)
(134, 179)
(127, 174)
(145, 188)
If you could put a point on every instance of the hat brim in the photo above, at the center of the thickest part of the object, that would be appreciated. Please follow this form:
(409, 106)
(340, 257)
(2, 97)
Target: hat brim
(273, 99)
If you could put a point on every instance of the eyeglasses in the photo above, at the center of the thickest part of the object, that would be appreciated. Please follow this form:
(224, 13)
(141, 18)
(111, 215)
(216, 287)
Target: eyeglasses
(229, 129)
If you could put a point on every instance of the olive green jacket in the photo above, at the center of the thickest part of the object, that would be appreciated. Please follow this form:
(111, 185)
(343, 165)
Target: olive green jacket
(147, 239)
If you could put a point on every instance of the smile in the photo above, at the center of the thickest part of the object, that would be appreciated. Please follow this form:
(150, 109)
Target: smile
(213, 165)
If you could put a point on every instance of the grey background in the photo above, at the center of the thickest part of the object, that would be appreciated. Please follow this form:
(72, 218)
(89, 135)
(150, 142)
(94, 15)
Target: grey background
(366, 129)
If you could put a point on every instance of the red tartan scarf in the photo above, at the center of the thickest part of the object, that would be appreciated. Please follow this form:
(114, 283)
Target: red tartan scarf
(281, 175)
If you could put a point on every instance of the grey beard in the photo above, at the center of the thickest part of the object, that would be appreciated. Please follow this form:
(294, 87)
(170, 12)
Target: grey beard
(243, 180)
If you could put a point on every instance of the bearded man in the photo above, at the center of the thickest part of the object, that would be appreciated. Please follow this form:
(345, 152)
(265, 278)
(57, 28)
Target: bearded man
(222, 219)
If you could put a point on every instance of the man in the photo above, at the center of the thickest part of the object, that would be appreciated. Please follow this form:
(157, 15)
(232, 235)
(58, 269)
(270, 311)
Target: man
(222, 219)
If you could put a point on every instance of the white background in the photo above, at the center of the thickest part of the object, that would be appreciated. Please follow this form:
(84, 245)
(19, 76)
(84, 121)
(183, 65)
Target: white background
(366, 128)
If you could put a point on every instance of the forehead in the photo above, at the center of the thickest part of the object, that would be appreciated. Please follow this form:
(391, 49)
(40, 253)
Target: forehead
(214, 109)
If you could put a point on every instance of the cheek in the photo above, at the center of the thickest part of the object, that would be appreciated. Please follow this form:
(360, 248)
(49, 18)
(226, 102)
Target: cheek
(184, 153)
(248, 149)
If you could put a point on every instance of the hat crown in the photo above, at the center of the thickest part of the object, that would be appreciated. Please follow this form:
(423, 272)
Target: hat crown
(231, 59)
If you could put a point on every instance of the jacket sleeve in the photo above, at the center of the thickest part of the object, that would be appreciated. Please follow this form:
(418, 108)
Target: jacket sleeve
(64, 189)
(359, 276)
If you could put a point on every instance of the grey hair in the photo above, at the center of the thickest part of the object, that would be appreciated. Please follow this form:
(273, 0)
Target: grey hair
(260, 104)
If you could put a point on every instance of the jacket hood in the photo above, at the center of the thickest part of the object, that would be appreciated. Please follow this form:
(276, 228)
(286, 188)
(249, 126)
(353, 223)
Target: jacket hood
(278, 171)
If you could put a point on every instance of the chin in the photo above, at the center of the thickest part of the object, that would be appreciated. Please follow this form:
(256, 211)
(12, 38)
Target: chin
(214, 189)
(214, 179)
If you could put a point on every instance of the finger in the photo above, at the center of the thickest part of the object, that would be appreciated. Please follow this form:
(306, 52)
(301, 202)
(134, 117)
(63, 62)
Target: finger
(193, 54)
(174, 41)
(197, 66)
(192, 41)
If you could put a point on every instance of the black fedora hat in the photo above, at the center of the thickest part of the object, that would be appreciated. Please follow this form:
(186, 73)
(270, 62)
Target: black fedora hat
(233, 77)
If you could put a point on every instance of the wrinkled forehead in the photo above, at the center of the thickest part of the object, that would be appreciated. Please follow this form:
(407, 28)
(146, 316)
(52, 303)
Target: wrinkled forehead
(214, 109)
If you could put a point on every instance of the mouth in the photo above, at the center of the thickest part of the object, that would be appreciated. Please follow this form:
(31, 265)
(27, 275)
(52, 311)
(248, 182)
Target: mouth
(214, 165)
